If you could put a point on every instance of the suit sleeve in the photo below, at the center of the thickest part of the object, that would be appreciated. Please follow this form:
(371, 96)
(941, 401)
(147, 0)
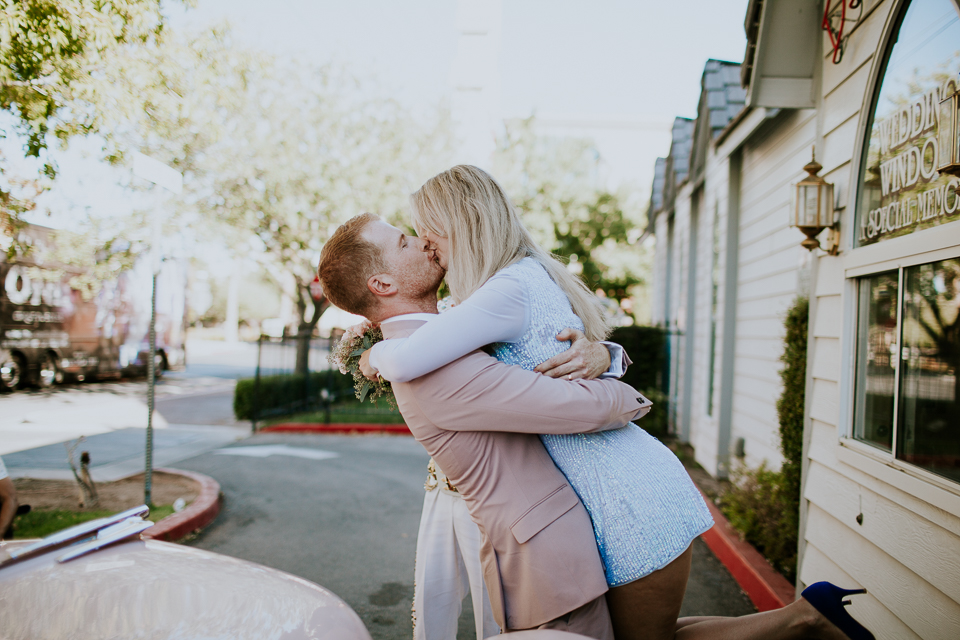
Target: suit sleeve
(479, 393)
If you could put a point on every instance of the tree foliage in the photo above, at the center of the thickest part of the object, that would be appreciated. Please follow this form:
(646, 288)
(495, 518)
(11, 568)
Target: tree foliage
(55, 57)
(300, 153)
(554, 182)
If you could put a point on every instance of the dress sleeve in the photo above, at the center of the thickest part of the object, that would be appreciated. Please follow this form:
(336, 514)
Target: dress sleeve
(497, 312)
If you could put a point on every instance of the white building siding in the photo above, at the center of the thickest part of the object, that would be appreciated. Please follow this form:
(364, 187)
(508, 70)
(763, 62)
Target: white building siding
(768, 279)
(867, 523)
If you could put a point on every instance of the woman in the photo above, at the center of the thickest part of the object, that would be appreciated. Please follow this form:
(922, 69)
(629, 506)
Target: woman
(515, 297)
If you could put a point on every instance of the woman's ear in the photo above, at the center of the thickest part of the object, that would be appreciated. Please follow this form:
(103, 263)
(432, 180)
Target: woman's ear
(382, 285)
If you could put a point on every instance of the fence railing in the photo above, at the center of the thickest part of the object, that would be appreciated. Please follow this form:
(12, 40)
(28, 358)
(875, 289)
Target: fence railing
(282, 388)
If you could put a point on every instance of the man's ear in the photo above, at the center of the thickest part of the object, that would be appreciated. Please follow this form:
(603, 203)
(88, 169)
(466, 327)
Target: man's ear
(382, 285)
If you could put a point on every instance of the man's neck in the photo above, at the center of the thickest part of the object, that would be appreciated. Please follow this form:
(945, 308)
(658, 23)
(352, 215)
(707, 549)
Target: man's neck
(406, 307)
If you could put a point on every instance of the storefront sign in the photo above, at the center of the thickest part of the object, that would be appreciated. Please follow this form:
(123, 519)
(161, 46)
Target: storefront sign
(903, 191)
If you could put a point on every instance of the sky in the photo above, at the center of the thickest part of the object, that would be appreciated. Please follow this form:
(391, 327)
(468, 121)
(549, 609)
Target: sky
(618, 70)
(615, 71)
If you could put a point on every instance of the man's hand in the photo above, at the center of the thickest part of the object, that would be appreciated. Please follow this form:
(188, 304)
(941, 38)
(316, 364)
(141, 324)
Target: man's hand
(584, 359)
(368, 371)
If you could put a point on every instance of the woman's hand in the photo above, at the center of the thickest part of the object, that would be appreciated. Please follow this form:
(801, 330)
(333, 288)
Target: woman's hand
(367, 370)
(584, 359)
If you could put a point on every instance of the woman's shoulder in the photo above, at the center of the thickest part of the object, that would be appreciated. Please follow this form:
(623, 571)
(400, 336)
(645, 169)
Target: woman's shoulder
(521, 269)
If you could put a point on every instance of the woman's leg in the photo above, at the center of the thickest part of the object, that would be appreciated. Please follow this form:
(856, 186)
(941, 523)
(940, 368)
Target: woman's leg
(647, 609)
(794, 621)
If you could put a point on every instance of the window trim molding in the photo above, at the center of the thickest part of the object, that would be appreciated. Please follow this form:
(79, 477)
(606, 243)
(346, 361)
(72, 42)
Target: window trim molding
(935, 490)
(919, 247)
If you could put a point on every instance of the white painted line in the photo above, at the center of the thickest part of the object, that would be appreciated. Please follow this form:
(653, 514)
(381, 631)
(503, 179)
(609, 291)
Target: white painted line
(263, 451)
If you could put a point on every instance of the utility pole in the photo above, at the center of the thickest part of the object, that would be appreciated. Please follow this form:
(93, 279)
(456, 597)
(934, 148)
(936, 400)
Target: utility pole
(172, 180)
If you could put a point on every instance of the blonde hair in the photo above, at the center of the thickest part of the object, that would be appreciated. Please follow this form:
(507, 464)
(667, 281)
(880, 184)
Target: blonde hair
(467, 206)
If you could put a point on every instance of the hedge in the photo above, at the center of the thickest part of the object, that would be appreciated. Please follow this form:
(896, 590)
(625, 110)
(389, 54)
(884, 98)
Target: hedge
(646, 346)
(288, 393)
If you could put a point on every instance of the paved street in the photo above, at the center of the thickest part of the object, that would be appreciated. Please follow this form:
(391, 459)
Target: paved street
(350, 523)
(342, 511)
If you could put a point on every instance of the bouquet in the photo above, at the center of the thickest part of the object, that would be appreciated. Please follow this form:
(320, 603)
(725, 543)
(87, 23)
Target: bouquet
(346, 357)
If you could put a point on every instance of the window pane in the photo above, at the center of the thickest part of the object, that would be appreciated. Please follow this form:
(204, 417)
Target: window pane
(928, 435)
(876, 365)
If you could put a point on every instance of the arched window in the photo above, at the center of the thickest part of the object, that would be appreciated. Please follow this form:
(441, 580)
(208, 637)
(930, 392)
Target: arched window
(907, 388)
(901, 190)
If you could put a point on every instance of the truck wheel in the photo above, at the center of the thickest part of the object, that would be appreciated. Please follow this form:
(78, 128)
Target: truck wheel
(11, 371)
(50, 373)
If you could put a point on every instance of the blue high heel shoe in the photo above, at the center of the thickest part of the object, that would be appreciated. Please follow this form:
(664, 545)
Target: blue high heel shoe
(828, 599)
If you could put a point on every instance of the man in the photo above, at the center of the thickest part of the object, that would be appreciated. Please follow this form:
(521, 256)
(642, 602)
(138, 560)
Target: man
(539, 555)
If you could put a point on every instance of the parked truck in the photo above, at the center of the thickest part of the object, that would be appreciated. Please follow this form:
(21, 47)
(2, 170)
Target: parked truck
(50, 331)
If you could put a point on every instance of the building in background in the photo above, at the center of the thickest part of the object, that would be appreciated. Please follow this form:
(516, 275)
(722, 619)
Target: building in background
(881, 471)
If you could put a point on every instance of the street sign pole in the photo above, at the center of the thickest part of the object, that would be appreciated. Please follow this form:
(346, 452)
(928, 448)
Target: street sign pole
(170, 179)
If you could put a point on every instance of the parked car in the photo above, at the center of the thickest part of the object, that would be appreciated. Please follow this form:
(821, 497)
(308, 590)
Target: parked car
(99, 579)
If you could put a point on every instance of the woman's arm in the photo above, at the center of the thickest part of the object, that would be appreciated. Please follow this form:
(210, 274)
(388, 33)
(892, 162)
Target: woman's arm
(496, 312)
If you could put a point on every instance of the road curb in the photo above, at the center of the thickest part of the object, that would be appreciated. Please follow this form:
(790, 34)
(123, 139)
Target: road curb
(198, 515)
(766, 588)
(305, 427)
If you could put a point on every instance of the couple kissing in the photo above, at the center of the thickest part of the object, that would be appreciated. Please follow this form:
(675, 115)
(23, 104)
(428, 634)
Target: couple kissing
(586, 521)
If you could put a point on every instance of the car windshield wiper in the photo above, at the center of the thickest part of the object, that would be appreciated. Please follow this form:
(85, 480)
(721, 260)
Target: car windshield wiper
(94, 535)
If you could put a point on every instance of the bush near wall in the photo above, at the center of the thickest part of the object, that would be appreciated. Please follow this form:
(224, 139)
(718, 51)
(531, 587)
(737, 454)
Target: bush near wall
(764, 505)
(279, 392)
(646, 346)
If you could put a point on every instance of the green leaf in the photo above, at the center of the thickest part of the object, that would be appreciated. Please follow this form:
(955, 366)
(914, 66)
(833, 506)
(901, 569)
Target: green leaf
(364, 390)
(358, 352)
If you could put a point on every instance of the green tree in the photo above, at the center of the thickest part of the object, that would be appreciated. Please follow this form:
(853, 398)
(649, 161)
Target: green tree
(276, 155)
(554, 182)
(54, 59)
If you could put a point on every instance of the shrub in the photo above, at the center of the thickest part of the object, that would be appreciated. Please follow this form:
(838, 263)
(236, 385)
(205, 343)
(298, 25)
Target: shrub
(646, 346)
(764, 505)
(759, 506)
(288, 393)
(655, 422)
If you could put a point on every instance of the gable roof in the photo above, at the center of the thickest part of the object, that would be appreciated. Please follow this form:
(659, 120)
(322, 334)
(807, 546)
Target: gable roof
(721, 100)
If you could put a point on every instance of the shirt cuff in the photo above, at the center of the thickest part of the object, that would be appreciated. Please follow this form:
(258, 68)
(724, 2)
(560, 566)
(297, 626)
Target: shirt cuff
(618, 361)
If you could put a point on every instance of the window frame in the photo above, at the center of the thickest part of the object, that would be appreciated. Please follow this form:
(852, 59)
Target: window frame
(920, 247)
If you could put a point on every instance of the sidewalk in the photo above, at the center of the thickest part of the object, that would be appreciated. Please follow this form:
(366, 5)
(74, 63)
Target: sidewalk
(118, 454)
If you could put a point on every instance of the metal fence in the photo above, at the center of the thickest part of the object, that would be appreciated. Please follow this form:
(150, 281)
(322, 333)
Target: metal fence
(280, 389)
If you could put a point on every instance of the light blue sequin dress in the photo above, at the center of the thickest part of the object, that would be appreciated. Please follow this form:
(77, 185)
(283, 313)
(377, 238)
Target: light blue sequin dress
(645, 509)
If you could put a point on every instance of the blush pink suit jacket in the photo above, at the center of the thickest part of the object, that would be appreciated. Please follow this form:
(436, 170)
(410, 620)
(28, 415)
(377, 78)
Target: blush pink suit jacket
(478, 418)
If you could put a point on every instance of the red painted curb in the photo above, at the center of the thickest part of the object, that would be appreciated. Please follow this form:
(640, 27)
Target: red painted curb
(306, 427)
(198, 515)
(766, 588)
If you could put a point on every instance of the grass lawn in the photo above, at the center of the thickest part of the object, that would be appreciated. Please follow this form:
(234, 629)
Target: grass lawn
(42, 522)
(346, 413)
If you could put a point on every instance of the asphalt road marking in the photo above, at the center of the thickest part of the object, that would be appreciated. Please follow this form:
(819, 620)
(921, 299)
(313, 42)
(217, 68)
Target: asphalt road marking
(263, 451)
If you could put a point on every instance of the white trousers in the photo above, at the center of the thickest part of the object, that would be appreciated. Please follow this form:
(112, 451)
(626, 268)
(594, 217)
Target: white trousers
(447, 567)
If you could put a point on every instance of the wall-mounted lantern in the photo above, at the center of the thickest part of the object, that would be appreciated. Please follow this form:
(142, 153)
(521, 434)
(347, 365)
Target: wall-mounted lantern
(813, 209)
(948, 139)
